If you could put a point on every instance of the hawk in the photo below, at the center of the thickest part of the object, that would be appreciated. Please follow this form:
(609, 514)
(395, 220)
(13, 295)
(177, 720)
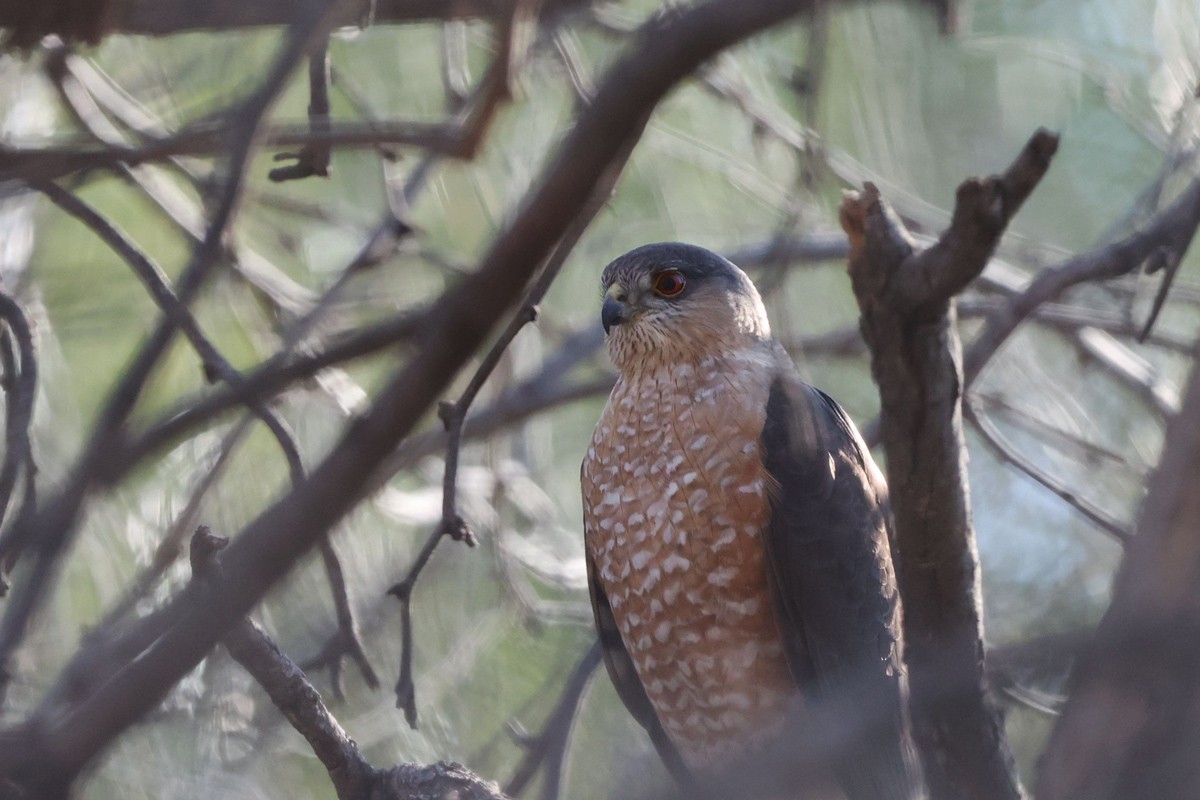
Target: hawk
(737, 543)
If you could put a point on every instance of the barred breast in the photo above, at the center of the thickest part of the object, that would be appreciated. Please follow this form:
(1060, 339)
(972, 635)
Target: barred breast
(675, 502)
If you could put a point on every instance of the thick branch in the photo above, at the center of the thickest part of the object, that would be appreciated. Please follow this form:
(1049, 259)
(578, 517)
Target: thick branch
(1131, 727)
(29, 22)
(982, 210)
(908, 320)
(286, 684)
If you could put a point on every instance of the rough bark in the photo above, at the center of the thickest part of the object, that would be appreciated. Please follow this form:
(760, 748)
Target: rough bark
(908, 320)
(1131, 727)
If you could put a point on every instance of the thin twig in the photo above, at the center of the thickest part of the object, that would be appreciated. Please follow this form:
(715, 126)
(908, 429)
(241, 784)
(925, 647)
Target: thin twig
(1090, 451)
(276, 374)
(170, 546)
(352, 775)
(1167, 260)
(56, 524)
(1173, 228)
(1009, 454)
(548, 749)
(218, 367)
(345, 641)
(383, 242)
(459, 137)
(215, 365)
(586, 165)
(454, 416)
(313, 158)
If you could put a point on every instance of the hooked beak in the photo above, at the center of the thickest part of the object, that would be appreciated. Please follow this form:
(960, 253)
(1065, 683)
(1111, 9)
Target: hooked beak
(616, 308)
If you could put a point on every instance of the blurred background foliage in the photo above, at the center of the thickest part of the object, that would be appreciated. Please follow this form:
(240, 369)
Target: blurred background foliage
(759, 147)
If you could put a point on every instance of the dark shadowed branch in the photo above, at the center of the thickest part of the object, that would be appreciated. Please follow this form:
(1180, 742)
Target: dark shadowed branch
(54, 523)
(1131, 726)
(18, 358)
(89, 22)
(312, 159)
(458, 137)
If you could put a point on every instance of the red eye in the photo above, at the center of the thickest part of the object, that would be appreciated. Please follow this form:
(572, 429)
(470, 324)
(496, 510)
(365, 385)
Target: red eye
(669, 283)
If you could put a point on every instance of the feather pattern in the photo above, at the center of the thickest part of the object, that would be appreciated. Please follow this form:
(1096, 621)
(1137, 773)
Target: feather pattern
(834, 585)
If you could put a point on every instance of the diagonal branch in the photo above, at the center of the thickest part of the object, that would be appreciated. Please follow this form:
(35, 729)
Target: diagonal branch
(548, 749)
(216, 366)
(352, 775)
(586, 165)
(454, 417)
(1173, 229)
(1007, 452)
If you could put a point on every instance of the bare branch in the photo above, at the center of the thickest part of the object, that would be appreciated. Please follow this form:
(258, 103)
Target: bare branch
(982, 210)
(908, 321)
(352, 775)
(167, 17)
(1130, 727)
(1172, 228)
(55, 524)
(454, 416)
(286, 684)
(591, 156)
(548, 749)
(313, 158)
(1008, 453)
(273, 376)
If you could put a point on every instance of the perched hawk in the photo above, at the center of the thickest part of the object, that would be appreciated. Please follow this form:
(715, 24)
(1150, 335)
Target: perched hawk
(737, 544)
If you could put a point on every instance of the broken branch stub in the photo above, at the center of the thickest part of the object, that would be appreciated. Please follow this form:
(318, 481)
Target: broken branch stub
(908, 321)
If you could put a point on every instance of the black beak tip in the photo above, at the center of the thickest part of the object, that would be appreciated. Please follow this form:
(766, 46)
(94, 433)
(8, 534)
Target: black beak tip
(611, 313)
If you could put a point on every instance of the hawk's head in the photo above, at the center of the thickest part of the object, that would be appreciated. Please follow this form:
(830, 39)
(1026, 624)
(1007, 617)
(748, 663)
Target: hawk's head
(678, 302)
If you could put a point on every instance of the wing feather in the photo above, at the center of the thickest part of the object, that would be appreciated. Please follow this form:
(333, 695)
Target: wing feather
(832, 578)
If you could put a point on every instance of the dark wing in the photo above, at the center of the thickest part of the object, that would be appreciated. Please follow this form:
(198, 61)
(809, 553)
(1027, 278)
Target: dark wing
(836, 599)
(625, 679)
